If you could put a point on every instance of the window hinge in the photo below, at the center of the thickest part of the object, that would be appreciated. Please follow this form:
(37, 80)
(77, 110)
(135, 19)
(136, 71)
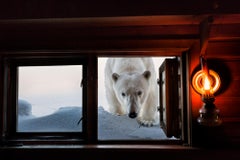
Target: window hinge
(160, 109)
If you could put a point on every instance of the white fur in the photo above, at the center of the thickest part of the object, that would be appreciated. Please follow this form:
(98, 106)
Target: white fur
(131, 79)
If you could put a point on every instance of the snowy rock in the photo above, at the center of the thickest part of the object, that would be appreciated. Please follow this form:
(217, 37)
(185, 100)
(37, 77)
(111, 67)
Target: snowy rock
(24, 108)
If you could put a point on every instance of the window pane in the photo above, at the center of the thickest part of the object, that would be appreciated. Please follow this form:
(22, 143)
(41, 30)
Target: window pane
(49, 98)
(164, 97)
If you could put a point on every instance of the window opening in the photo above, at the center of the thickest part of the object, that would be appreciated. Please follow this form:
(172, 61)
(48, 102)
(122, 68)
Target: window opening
(115, 127)
(49, 98)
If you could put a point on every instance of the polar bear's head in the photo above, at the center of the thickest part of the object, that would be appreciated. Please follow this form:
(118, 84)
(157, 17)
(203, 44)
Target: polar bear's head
(131, 90)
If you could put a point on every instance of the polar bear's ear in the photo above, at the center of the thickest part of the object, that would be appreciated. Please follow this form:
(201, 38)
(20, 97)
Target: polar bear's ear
(115, 76)
(147, 74)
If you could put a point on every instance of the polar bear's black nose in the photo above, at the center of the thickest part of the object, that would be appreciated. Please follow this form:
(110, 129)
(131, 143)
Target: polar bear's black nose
(132, 115)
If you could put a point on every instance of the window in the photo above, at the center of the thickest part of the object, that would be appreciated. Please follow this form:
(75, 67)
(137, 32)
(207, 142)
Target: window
(45, 97)
(169, 93)
(71, 110)
(49, 98)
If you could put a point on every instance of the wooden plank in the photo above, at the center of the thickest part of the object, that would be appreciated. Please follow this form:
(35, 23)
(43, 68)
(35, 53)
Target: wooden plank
(223, 49)
(225, 30)
(152, 20)
(96, 44)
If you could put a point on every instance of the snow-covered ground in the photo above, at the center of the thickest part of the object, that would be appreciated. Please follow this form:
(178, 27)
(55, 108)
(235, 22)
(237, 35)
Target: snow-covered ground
(66, 119)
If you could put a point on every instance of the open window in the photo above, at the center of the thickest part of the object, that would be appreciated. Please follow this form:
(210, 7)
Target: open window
(169, 78)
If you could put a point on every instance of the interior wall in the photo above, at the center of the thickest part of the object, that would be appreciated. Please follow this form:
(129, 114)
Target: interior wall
(22, 9)
(223, 57)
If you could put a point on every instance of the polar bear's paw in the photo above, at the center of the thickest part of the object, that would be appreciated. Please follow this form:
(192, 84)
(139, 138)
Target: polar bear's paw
(146, 122)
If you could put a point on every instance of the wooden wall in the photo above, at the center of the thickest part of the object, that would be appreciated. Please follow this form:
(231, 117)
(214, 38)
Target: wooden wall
(22, 9)
(223, 54)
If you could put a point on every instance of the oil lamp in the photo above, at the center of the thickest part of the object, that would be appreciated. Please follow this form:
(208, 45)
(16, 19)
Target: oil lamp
(206, 82)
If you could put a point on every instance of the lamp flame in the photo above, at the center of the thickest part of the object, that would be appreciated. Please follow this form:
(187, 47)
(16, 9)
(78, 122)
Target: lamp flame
(206, 83)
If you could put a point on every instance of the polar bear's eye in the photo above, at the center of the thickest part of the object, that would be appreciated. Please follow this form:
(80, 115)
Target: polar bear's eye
(139, 93)
(123, 94)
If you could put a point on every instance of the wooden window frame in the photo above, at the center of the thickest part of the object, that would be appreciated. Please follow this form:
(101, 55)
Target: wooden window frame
(11, 136)
(90, 132)
(169, 79)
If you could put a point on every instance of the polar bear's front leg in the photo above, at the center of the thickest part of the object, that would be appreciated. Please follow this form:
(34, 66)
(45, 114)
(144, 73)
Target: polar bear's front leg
(148, 121)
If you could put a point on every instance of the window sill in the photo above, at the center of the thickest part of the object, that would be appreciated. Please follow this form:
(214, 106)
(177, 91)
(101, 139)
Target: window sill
(62, 152)
(105, 147)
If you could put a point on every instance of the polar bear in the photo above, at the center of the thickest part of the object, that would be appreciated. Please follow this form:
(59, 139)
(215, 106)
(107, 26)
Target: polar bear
(131, 88)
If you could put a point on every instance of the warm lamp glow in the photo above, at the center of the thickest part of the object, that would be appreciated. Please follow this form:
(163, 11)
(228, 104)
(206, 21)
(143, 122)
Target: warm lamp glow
(204, 84)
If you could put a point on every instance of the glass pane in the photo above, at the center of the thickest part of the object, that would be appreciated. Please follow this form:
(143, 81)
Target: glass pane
(114, 127)
(164, 97)
(49, 98)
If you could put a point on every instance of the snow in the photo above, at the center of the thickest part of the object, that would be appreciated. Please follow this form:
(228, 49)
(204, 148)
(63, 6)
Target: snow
(66, 119)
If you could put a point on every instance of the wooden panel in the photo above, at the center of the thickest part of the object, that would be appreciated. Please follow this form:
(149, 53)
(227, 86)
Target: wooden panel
(229, 101)
(85, 32)
(118, 152)
(229, 106)
(223, 49)
(169, 97)
(96, 44)
(76, 8)
(225, 30)
(100, 33)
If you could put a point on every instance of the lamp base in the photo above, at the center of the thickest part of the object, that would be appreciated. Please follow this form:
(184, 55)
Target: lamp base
(209, 115)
